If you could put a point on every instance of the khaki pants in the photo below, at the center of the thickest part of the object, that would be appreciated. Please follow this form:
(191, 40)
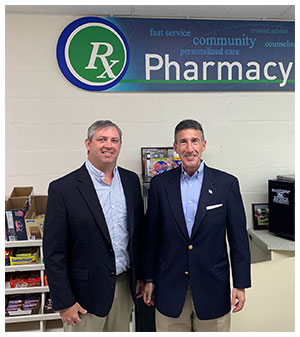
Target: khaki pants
(118, 318)
(188, 320)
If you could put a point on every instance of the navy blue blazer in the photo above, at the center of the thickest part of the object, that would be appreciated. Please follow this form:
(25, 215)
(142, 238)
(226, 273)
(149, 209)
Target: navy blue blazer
(173, 259)
(78, 253)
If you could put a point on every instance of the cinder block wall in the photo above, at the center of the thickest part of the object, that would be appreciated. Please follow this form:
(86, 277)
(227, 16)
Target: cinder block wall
(249, 134)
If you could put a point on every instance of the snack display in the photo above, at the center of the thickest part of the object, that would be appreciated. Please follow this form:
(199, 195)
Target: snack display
(26, 291)
(25, 279)
(22, 305)
(156, 160)
(24, 256)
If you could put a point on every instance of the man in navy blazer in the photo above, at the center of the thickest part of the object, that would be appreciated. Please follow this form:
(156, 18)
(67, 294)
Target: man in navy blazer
(91, 237)
(191, 211)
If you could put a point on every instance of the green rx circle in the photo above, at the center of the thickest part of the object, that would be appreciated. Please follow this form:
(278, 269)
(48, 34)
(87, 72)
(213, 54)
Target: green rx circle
(80, 50)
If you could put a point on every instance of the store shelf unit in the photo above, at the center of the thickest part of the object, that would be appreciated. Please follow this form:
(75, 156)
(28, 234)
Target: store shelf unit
(41, 317)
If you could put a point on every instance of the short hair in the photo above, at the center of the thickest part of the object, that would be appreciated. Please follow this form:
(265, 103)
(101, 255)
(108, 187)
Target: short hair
(100, 125)
(188, 124)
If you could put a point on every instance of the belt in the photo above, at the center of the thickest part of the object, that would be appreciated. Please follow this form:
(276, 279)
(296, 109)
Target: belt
(124, 273)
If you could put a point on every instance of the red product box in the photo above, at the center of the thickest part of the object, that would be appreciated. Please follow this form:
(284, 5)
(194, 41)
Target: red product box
(23, 280)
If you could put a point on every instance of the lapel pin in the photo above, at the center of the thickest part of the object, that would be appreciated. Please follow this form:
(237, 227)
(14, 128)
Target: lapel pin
(210, 191)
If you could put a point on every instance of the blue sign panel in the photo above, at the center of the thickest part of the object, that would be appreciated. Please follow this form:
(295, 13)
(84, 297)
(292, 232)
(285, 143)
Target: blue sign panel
(178, 55)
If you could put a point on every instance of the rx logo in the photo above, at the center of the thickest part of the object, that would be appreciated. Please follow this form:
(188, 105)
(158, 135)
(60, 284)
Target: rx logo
(92, 53)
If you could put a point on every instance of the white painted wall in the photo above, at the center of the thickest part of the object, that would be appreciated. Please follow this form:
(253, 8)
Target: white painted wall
(249, 134)
(270, 303)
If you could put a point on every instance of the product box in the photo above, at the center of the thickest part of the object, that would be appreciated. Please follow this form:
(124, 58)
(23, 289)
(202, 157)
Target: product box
(35, 217)
(23, 305)
(16, 203)
(160, 165)
(24, 256)
(15, 218)
(24, 191)
(25, 279)
(21, 192)
(156, 160)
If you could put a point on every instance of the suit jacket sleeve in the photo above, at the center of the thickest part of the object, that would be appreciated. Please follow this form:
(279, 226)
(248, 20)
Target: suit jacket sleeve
(238, 239)
(55, 246)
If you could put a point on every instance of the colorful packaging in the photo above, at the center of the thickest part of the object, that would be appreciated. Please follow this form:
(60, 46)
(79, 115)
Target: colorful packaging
(177, 160)
(25, 279)
(24, 256)
(7, 252)
(160, 165)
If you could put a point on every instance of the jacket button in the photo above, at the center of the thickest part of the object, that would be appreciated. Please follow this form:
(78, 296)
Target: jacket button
(112, 273)
(186, 272)
(191, 247)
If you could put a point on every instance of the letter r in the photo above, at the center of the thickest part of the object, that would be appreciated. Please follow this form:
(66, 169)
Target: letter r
(103, 58)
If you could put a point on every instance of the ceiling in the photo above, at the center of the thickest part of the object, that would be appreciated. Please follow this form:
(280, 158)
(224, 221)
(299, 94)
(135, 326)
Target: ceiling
(261, 12)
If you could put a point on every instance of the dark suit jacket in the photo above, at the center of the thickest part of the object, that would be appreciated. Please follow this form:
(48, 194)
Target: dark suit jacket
(79, 257)
(173, 260)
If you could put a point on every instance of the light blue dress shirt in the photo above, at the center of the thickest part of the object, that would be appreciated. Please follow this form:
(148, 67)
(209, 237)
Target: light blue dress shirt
(113, 203)
(190, 193)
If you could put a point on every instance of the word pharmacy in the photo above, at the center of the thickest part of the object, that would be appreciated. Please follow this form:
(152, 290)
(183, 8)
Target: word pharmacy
(209, 70)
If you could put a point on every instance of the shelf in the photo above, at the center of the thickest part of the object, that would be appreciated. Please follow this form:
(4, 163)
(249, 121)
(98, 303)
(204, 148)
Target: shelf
(24, 243)
(26, 290)
(42, 290)
(269, 241)
(32, 318)
(25, 267)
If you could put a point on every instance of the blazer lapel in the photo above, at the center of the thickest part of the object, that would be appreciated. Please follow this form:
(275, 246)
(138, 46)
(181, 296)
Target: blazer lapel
(86, 188)
(174, 196)
(207, 193)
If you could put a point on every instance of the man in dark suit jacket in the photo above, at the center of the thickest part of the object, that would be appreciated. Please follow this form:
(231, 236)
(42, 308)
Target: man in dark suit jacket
(191, 210)
(91, 237)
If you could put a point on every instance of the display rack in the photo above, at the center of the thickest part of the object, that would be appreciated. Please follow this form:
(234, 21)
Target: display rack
(41, 317)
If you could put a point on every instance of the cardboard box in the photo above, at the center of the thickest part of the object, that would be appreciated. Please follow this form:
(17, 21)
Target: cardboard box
(21, 192)
(16, 203)
(15, 218)
(26, 191)
(35, 217)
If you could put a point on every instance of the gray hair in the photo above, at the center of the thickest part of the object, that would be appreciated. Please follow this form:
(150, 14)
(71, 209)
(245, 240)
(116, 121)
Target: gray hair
(188, 124)
(100, 125)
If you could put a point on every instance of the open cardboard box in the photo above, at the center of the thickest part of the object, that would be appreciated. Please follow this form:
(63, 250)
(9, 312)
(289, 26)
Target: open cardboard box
(21, 192)
(35, 217)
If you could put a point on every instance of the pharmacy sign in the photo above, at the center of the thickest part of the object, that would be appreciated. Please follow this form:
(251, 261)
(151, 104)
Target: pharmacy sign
(92, 53)
(168, 55)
